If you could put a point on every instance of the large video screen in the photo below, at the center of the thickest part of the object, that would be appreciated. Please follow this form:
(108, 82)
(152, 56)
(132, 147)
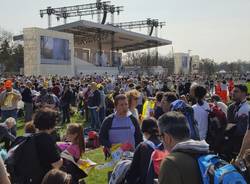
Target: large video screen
(54, 50)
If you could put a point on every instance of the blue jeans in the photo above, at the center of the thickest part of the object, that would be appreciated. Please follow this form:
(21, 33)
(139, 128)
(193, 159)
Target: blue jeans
(8, 113)
(95, 121)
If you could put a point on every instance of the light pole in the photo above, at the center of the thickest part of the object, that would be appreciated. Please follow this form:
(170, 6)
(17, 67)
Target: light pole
(189, 61)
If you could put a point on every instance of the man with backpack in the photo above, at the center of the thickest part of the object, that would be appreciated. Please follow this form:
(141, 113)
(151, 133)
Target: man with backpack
(189, 161)
(179, 167)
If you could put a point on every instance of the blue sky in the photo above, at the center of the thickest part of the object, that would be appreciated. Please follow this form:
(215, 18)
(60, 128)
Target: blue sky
(217, 29)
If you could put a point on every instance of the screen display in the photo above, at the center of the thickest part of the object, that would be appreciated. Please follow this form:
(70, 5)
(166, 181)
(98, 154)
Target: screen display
(184, 61)
(54, 50)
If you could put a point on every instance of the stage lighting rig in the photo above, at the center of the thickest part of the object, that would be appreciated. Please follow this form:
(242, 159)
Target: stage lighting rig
(149, 23)
(97, 8)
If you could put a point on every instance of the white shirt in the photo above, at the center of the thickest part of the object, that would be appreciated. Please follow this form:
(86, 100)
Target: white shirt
(201, 116)
(222, 106)
(223, 87)
(243, 110)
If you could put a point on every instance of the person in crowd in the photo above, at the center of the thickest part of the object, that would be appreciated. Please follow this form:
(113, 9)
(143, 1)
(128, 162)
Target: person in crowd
(211, 86)
(52, 100)
(217, 101)
(56, 89)
(166, 101)
(86, 93)
(102, 111)
(94, 101)
(2, 88)
(248, 86)
(65, 103)
(133, 96)
(47, 99)
(181, 88)
(158, 106)
(139, 168)
(224, 91)
(109, 103)
(245, 143)
(28, 102)
(201, 110)
(179, 167)
(6, 135)
(75, 139)
(238, 114)
(230, 85)
(140, 99)
(3, 173)
(56, 176)
(48, 154)
(191, 96)
(187, 87)
(41, 99)
(121, 126)
(218, 88)
(150, 89)
(8, 101)
(29, 129)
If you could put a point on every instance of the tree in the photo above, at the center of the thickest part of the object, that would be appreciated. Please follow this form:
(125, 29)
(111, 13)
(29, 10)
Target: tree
(11, 54)
(5, 52)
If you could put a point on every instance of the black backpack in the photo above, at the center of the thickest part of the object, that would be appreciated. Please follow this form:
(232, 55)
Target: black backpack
(23, 163)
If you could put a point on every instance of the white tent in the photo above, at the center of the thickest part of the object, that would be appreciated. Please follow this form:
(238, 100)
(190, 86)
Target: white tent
(222, 72)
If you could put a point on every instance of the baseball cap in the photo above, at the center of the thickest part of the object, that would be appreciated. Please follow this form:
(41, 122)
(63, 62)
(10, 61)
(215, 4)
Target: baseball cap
(8, 84)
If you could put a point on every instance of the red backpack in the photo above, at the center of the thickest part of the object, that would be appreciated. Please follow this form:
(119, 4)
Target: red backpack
(93, 140)
(158, 155)
(217, 119)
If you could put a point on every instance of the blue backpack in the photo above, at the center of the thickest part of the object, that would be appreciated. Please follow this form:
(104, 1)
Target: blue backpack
(217, 171)
(188, 112)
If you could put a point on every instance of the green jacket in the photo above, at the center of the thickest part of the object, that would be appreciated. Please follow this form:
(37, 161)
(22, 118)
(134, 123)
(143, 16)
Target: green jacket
(179, 168)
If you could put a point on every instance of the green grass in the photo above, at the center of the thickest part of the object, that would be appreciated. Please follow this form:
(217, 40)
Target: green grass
(95, 176)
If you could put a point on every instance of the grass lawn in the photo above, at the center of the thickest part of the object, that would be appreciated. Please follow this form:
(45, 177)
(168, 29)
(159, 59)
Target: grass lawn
(95, 176)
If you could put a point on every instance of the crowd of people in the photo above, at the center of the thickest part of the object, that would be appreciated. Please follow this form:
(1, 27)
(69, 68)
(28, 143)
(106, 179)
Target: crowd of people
(184, 117)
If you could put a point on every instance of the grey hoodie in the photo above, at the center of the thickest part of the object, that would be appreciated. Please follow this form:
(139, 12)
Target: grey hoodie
(192, 146)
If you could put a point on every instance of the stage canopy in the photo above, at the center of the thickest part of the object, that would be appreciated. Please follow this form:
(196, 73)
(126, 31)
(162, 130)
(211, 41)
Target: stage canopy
(89, 35)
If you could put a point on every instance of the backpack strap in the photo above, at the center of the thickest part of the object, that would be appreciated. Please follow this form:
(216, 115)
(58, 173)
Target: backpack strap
(151, 144)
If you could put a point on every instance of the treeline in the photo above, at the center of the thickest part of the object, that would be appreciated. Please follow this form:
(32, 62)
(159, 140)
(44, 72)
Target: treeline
(206, 67)
(11, 53)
